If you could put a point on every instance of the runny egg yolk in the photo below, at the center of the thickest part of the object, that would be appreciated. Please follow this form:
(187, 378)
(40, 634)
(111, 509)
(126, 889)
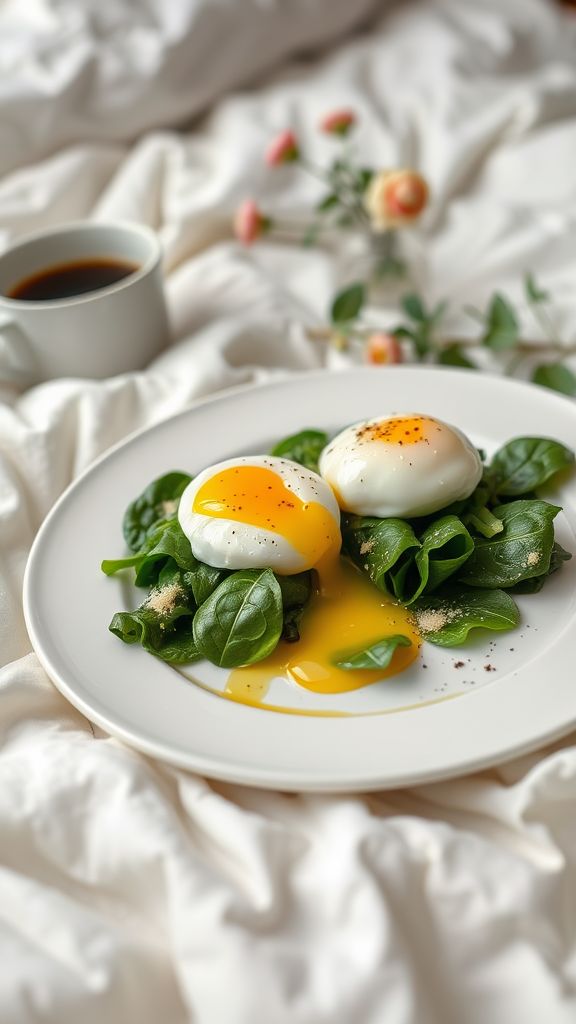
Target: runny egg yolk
(400, 430)
(259, 497)
(346, 612)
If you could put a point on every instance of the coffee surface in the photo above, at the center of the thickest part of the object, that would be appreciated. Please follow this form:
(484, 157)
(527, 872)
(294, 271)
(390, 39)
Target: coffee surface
(65, 280)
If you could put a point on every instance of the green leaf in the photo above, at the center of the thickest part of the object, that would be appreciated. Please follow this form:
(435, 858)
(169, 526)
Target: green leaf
(502, 325)
(535, 583)
(310, 235)
(304, 448)
(378, 655)
(447, 620)
(525, 463)
(348, 304)
(483, 521)
(404, 332)
(162, 625)
(377, 545)
(555, 376)
(520, 551)
(453, 355)
(534, 293)
(445, 545)
(203, 580)
(173, 545)
(364, 177)
(167, 546)
(438, 312)
(241, 622)
(328, 202)
(413, 307)
(159, 501)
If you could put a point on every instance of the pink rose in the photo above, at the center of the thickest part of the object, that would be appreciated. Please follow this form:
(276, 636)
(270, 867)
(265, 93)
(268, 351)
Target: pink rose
(249, 222)
(283, 150)
(383, 348)
(395, 198)
(339, 122)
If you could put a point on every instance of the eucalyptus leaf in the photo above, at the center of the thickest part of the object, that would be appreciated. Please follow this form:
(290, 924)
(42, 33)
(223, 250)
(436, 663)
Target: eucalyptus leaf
(525, 463)
(159, 501)
(348, 303)
(534, 293)
(304, 447)
(378, 655)
(447, 620)
(557, 377)
(328, 202)
(413, 307)
(241, 622)
(453, 355)
(520, 551)
(501, 325)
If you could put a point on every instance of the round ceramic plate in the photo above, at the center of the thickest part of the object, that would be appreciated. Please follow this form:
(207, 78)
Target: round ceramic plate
(453, 711)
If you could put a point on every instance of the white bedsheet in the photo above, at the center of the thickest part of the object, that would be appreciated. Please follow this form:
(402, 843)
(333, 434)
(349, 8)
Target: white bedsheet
(130, 891)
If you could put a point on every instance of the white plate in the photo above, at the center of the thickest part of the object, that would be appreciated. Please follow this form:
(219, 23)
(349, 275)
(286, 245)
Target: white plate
(394, 733)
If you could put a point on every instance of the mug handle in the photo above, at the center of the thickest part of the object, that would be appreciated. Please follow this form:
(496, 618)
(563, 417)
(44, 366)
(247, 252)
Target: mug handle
(17, 363)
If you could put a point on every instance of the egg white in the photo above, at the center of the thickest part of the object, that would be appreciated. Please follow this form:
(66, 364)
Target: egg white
(230, 544)
(375, 477)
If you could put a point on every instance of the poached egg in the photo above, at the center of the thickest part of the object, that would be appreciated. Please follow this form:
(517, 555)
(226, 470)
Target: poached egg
(400, 466)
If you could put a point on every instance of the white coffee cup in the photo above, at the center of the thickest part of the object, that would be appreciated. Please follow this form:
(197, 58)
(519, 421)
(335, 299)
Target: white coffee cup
(98, 333)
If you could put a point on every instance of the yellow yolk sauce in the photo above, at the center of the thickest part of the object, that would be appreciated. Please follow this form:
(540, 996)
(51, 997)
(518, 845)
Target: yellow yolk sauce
(349, 617)
(346, 612)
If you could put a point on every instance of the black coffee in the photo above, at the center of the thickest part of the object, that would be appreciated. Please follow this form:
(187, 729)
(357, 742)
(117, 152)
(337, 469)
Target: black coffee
(67, 279)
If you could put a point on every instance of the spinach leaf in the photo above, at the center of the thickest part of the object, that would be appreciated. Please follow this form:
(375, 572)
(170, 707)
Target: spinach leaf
(378, 655)
(171, 544)
(448, 619)
(162, 625)
(296, 592)
(167, 547)
(304, 448)
(295, 589)
(526, 463)
(176, 646)
(535, 583)
(203, 580)
(444, 546)
(376, 545)
(241, 621)
(521, 551)
(157, 502)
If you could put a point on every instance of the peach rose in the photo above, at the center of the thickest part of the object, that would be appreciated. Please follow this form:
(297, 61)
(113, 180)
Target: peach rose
(383, 348)
(395, 198)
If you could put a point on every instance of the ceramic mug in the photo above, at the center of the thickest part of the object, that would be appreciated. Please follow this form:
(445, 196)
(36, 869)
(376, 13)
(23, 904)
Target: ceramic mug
(99, 333)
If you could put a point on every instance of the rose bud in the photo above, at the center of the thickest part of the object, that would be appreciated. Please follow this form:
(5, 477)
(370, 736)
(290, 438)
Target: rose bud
(283, 150)
(339, 122)
(249, 222)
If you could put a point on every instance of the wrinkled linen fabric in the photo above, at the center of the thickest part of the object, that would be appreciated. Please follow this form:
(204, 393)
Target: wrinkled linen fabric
(131, 891)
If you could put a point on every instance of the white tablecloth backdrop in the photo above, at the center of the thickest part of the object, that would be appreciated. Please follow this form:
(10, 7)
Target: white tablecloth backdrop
(130, 891)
